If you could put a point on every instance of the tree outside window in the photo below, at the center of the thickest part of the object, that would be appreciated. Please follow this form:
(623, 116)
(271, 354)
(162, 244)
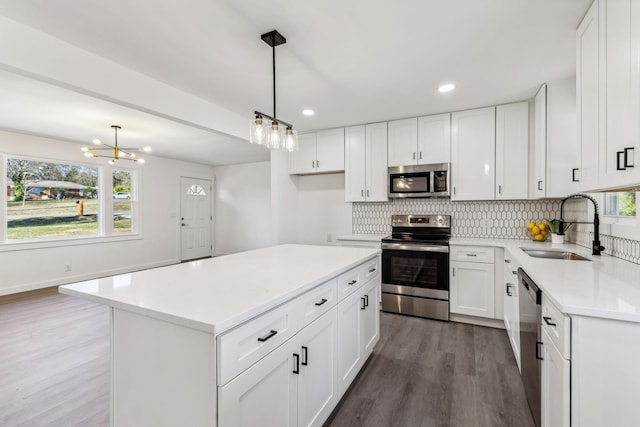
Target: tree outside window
(621, 204)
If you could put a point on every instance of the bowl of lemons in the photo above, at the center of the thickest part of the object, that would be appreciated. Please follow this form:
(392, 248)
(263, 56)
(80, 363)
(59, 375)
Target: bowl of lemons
(538, 231)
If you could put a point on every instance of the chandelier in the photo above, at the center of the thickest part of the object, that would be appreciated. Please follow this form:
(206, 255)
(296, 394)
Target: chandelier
(117, 152)
(271, 131)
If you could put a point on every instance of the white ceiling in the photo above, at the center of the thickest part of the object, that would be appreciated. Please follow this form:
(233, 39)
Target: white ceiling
(351, 61)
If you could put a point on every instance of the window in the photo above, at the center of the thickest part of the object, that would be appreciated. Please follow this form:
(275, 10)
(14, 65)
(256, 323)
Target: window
(196, 190)
(122, 212)
(620, 204)
(48, 200)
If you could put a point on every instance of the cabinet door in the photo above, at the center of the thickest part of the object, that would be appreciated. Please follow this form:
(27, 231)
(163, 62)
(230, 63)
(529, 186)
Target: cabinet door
(434, 139)
(472, 289)
(618, 37)
(349, 340)
(304, 160)
(330, 150)
(317, 386)
(512, 151)
(512, 310)
(554, 384)
(403, 142)
(587, 77)
(354, 162)
(376, 168)
(473, 154)
(370, 319)
(265, 394)
(539, 154)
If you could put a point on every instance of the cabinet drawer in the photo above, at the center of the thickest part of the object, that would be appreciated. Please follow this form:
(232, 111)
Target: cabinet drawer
(370, 269)
(316, 302)
(245, 345)
(472, 254)
(558, 326)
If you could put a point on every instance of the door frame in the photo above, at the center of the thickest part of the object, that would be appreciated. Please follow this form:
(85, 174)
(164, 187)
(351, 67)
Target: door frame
(178, 217)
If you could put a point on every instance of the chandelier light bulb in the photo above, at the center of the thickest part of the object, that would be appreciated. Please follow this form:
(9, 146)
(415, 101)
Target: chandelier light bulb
(140, 160)
(97, 141)
(290, 141)
(275, 137)
(146, 149)
(88, 154)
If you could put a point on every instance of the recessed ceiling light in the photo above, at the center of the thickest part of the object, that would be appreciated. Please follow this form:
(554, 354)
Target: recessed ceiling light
(446, 87)
(308, 112)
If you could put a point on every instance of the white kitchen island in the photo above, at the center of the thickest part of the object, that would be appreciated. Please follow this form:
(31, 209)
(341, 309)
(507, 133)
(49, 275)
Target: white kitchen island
(271, 337)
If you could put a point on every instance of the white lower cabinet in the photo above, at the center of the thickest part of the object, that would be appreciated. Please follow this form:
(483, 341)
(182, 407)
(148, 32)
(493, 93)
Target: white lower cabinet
(511, 305)
(300, 381)
(472, 281)
(359, 320)
(555, 384)
(293, 385)
(266, 394)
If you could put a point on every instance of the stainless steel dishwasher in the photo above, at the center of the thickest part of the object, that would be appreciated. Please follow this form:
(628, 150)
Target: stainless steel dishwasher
(530, 323)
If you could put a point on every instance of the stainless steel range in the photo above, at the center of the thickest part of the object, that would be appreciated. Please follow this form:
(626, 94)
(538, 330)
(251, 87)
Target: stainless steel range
(415, 266)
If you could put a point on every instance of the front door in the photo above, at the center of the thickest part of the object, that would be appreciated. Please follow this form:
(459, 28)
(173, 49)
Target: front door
(195, 218)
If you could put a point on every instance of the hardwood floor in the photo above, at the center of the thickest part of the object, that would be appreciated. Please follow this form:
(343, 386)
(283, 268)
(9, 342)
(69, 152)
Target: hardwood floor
(54, 371)
(436, 374)
(54, 361)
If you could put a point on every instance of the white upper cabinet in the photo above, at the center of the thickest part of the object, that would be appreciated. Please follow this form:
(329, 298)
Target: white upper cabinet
(587, 77)
(304, 160)
(319, 152)
(376, 162)
(420, 141)
(608, 72)
(403, 142)
(366, 163)
(434, 139)
(473, 154)
(512, 151)
(555, 154)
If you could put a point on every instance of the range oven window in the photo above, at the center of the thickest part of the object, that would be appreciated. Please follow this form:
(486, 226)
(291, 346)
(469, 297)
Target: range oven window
(428, 270)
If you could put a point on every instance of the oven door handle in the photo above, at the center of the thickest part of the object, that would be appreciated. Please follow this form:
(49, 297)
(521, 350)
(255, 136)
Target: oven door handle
(415, 248)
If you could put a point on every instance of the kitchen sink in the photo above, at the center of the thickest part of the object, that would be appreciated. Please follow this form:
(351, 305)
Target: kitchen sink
(544, 253)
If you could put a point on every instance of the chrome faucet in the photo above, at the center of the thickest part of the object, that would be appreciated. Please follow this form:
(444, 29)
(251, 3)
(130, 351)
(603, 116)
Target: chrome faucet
(596, 248)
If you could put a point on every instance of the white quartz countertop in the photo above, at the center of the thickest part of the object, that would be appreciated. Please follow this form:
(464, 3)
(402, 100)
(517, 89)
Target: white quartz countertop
(217, 294)
(363, 237)
(604, 287)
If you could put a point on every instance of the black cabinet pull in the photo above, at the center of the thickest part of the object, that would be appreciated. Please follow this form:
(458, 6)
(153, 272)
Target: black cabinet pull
(322, 301)
(548, 321)
(538, 354)
(507, 261)
(362, 307)
(539, 185)
(372, 270)
(618, 165)
(509, 285)
(305, 356)
(366, 301)
(515, 273)
(626, 157)
(268, 336)
(573, 174)
(296, 370)
(353, 282)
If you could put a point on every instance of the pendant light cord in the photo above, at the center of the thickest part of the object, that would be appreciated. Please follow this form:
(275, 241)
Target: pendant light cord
(273, 42)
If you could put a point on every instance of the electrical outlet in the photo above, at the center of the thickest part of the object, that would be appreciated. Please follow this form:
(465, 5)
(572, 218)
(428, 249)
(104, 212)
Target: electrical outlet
(67, 267)
(486, 223)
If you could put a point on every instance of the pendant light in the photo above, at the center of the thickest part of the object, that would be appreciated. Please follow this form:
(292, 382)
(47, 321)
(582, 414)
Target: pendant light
(271, 131)
(117, 152)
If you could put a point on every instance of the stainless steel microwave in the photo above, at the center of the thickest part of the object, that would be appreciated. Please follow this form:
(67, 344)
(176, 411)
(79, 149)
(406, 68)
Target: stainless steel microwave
(419, 181)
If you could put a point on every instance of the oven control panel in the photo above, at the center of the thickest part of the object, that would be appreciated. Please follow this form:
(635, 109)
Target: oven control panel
(421, 221)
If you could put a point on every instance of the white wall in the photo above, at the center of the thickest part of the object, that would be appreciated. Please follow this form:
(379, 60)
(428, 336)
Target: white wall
(160, 244)
(242, 207)
(306, 209)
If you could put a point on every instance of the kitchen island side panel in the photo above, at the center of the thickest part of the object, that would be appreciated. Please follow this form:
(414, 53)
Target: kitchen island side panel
(162, 374)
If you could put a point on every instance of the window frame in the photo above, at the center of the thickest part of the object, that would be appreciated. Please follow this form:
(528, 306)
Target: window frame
(617, 226)
(105, 208)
